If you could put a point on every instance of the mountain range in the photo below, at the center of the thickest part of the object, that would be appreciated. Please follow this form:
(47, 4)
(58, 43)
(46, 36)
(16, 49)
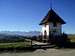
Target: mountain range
(31, 33)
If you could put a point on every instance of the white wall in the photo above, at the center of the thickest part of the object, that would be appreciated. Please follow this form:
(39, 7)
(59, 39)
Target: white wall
(50, 28)
(45, 28)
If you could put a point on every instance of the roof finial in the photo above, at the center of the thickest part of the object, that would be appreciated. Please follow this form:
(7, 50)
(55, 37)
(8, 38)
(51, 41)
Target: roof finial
(51, 4)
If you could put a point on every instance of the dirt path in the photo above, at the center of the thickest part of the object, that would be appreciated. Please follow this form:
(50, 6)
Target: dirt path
(41, 52)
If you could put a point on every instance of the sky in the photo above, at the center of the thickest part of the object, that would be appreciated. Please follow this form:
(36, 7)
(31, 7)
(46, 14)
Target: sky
(25, 15)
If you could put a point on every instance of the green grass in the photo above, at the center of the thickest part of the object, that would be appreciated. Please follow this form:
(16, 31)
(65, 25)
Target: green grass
(15, 45)
(72, 38)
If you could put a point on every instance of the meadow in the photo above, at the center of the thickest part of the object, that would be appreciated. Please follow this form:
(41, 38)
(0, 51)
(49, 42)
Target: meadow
(15, 45)
(25, 44)
(18, 46)
(72, 37)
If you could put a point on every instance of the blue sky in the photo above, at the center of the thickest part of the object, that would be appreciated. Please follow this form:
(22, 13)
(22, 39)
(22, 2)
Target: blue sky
(25, 15)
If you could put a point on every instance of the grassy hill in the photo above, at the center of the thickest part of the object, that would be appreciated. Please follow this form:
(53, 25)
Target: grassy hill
(71, 37)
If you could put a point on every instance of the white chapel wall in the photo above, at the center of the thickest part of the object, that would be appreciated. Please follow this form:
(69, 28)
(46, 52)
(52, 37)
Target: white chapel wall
(45, 28)
(50, 27)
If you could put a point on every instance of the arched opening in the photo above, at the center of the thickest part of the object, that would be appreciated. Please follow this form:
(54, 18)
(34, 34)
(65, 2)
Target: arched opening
(45, 36)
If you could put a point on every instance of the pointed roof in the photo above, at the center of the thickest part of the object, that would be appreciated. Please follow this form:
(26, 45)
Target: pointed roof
(52, 17)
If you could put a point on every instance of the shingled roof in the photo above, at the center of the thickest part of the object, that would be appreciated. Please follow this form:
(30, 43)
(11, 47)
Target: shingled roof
(52, 17)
